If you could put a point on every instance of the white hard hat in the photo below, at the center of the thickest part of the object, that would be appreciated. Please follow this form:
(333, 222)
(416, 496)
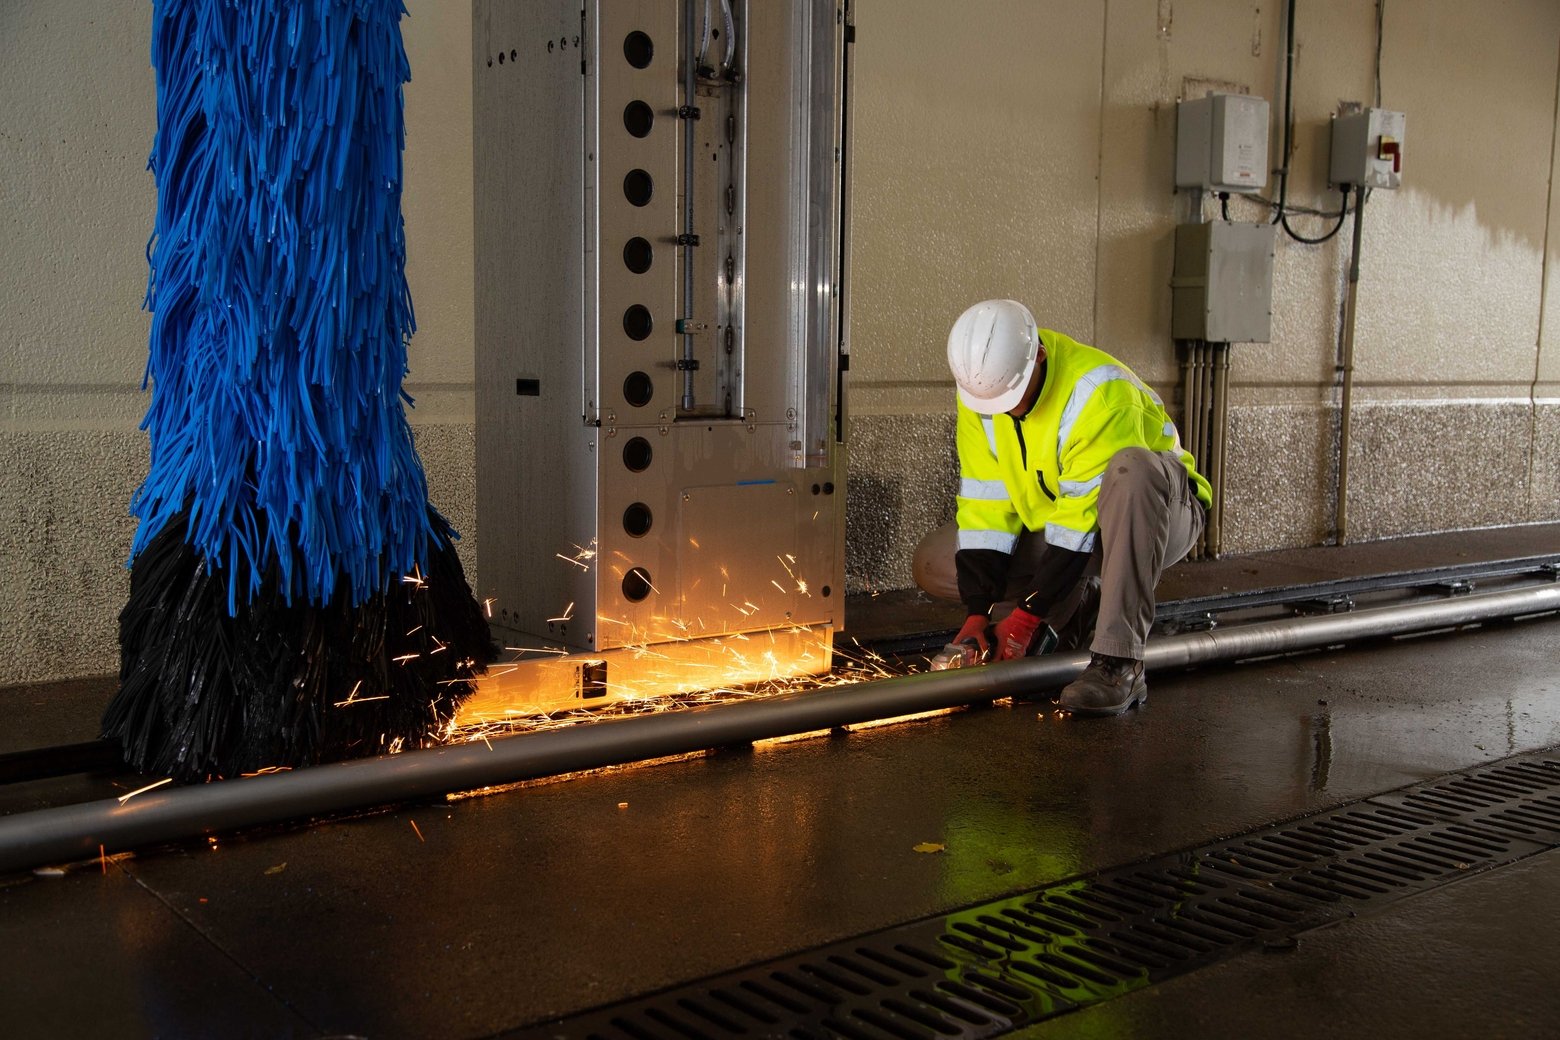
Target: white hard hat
(992, 350)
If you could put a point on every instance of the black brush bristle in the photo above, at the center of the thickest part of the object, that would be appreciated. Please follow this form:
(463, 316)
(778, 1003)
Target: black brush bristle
(204, 694)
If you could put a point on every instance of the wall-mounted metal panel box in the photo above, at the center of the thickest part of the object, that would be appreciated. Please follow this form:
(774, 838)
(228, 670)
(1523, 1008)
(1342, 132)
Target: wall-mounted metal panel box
(1367, 149)
(1221, 143)
(1222, 289)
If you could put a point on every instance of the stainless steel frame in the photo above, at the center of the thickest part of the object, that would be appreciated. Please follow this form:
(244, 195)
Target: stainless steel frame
(660, 450)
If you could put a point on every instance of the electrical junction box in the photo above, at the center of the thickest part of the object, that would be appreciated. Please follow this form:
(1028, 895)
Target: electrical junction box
(1367, 149)
(1221, 143)
(1222, 288)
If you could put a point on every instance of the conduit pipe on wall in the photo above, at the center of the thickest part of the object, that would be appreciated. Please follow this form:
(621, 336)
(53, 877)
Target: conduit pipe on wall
(1213, 537)
(1192, 409)
(1345, 411)
(77, 832)
(1205, 393)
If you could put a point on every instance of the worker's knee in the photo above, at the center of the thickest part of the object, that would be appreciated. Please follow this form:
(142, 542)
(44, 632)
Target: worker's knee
(1129, 469)
(933, 568)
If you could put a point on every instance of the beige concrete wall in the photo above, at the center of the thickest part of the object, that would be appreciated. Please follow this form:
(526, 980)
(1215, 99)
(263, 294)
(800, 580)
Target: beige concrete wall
(1455, 401)
(1001, 149)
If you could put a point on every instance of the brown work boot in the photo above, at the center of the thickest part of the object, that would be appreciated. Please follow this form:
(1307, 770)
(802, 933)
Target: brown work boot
(1109, 686)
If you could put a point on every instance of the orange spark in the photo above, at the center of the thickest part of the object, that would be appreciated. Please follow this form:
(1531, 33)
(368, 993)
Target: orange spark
(142, 790)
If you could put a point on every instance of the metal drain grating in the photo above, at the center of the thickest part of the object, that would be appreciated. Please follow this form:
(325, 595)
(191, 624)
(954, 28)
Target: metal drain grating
(984, 971)
(1520, 798)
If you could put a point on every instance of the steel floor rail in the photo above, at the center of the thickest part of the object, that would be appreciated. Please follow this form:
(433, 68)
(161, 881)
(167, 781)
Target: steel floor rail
(1458, 579)
(1327, 596)
(75, 832)
(1172, 617)
(998, 966)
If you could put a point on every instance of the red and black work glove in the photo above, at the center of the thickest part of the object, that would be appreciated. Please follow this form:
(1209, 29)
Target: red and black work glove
(975, 628)
(1016, 634)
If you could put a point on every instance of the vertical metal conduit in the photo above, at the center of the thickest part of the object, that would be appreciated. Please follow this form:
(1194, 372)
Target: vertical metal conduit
(1213, 537)
(1345, 403)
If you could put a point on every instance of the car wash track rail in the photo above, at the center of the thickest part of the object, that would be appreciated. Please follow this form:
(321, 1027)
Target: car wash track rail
(1204, 631)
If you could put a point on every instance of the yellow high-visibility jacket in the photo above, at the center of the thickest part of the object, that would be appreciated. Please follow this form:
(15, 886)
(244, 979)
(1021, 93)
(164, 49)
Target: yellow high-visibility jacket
(1042, 472)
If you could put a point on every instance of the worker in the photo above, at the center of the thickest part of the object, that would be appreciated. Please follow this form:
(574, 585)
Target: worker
(1074, 496)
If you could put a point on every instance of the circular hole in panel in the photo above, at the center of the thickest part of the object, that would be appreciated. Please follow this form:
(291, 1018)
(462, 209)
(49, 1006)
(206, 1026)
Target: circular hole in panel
(637, 520)
(637, 454)
(638, 187)
(638, 119)
(637, 322)
(638, 49)
(636, 585)
(638, 255)
(637, 389)
(825, 591)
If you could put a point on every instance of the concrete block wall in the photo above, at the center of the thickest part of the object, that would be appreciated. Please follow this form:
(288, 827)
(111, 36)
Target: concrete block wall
(1001, 149)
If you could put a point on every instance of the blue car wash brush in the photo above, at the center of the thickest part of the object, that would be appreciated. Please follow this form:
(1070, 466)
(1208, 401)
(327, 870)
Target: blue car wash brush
(294, 595)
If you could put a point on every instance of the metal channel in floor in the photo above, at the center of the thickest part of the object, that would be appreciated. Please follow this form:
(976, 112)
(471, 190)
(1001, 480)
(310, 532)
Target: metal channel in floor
(998, 966)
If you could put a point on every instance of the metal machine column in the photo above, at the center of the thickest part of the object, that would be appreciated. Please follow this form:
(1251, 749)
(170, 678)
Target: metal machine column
(660, 333)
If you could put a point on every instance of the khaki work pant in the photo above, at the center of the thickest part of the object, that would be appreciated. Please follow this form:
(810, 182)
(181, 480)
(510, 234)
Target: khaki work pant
(1149, 519)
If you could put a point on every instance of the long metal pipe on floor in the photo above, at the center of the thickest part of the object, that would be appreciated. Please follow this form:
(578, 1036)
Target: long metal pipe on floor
(76, 832)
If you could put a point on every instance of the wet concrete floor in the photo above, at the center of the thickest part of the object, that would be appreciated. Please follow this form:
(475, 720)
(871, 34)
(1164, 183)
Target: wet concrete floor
(496, 912)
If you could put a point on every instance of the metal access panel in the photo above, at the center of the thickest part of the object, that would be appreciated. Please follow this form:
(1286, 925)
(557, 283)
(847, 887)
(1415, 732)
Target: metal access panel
(1222, 288)
(660, 321)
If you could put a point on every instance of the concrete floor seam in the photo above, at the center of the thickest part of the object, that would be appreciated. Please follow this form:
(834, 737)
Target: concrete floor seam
(282, 1002)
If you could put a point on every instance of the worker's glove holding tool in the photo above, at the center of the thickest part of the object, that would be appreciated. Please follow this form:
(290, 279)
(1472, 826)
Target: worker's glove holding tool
(1023, 633)
(971, 646)
(1018, 633)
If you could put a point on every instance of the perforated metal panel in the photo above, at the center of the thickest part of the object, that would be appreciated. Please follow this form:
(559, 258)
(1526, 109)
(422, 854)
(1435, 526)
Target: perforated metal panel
(659, 314)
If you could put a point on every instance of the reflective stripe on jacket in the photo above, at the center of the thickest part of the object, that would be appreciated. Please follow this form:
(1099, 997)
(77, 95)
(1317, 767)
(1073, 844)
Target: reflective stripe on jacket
(1043, 472)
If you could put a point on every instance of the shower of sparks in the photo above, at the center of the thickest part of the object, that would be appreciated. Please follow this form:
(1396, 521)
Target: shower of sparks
(416, 831)
(142, 790)
(853, 664)
(568, 614)
(414, 578)
(405, 657)
(487, 606)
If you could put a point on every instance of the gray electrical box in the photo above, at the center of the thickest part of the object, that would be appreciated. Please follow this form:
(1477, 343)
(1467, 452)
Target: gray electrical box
(1222, 288)
(1367, 149)
(1221, 143)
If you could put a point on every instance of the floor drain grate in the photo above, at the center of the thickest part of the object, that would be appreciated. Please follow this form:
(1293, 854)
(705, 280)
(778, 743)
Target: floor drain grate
(983, 971)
